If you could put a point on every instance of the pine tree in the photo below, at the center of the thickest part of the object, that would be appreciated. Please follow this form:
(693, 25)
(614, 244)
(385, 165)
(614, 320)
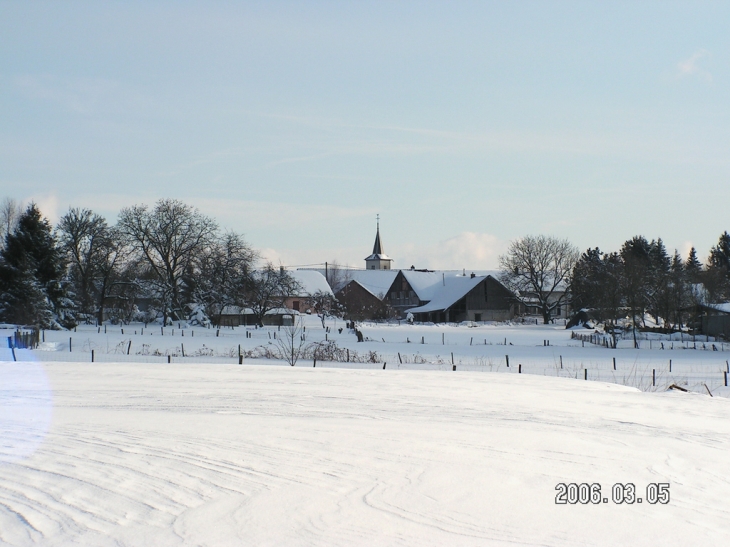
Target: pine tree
(31, 273)
(693, 266)
(720, 253)
(22, 300)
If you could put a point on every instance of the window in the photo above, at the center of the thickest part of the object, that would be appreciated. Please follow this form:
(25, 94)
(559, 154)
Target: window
(295, 305)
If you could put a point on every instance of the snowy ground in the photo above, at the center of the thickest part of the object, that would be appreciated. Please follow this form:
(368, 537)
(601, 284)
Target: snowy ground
(222, 454)
(485, 348)
(133, 450)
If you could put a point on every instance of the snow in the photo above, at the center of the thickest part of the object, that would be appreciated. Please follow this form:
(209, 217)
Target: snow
(257, 455)
(451, 291)
(723, 307)
(311, 281)
(131, 450)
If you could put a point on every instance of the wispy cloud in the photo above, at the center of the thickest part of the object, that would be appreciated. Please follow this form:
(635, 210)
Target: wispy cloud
(691, 66)
(86, 96)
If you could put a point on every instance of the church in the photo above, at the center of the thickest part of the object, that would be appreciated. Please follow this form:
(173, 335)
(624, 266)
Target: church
(428, 295)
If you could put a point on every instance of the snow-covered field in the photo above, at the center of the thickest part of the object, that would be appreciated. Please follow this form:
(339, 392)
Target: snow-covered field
(216, 453)
(484, 348)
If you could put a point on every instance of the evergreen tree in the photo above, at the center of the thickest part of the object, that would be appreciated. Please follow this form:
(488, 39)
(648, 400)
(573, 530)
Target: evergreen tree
(32, 271)
(675, 298)
(693, 266)
(22, 300)
(659, 281)
(598, 286)
(720, 254)
(636, 255)
(587, 274)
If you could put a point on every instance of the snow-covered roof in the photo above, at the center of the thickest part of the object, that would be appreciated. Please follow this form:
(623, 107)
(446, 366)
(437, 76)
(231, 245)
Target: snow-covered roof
(723, 307)
(376, 282)
(311, 282)
(427, 284)
(448, 292)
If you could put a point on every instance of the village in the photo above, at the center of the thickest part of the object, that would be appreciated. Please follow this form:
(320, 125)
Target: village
(380, 292)
(364, 274)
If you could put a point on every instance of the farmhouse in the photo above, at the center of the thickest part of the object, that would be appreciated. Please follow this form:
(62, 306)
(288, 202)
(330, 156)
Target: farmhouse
(310, 282)
(450, 297)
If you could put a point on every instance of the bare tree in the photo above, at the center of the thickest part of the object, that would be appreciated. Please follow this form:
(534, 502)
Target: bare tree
(538, 269)
(223, 273)
(269, 289)
(291, 343)
(10, 212)
(95, 254)
(337, 276)
(324, 305)
(168, 238)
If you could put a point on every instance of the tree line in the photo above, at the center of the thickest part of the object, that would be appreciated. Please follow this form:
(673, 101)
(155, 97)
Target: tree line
(640, 279)
(185, 267)
(85, 270)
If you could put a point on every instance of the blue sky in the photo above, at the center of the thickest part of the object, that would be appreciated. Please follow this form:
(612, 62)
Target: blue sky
(463, 124)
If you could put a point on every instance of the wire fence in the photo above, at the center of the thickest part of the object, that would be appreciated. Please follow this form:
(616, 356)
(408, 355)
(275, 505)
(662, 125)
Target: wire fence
(701, 377)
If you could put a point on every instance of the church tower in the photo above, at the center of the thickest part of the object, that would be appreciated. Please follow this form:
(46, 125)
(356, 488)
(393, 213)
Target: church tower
(378, 260)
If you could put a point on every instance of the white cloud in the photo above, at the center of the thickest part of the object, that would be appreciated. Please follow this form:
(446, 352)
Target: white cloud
(691, 66)
(468, 250)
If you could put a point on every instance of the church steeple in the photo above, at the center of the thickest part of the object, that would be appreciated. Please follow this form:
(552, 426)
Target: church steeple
(378, 260)
(377, 248)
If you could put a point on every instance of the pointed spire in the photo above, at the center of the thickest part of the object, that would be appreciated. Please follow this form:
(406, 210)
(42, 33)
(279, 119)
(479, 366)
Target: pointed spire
(378, 260)
(377, 248)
